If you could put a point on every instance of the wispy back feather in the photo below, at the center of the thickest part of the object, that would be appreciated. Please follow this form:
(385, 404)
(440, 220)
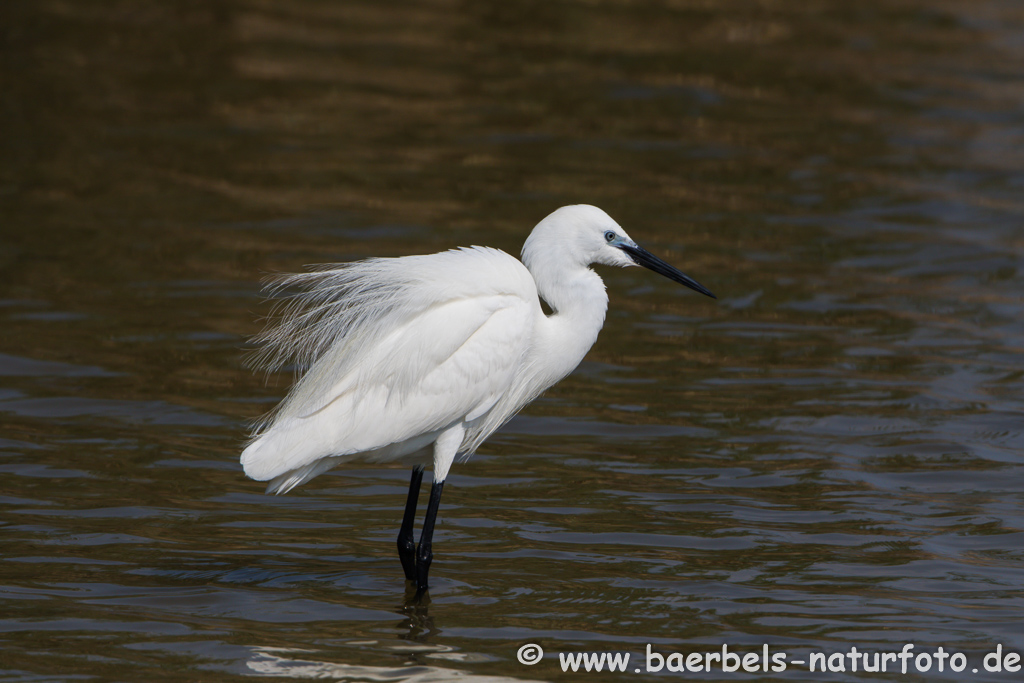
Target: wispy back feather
(332, 301)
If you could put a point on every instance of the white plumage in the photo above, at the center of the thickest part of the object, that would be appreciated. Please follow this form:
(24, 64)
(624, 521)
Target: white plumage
(437, 340)
(421, 358)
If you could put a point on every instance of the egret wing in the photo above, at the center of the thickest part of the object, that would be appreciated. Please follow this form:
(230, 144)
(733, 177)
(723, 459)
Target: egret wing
(448, 363)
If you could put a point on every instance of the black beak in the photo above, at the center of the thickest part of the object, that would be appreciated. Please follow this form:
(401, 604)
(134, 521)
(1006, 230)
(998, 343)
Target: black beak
(644, 258)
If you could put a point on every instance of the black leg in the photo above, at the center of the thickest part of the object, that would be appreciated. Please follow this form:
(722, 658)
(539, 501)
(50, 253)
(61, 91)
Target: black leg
(406, 542)
(423, 552)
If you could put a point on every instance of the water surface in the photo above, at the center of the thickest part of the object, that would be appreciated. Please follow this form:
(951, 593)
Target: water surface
(828, 456)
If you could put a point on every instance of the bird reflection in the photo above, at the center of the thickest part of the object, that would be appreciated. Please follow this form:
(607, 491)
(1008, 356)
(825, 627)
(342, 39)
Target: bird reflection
(417, 626)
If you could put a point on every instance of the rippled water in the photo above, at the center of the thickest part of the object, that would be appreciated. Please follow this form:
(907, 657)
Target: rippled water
(827, 457)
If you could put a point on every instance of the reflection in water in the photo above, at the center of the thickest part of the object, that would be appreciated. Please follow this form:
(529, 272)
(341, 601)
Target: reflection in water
(287, 663)
(829, 457)
(419, 625)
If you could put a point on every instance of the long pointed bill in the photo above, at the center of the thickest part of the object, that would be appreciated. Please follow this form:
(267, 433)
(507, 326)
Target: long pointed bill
(644, 258)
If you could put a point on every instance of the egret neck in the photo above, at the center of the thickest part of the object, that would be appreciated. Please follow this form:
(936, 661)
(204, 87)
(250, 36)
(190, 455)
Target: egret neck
(578, 302)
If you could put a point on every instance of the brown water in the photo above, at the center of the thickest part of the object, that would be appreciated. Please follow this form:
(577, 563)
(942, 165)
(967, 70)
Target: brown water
(829, 456)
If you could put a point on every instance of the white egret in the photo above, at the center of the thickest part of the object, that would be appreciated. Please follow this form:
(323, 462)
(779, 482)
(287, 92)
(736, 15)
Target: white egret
(420, 358)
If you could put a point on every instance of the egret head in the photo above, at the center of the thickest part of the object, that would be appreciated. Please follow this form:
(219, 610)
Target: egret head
(582, 235)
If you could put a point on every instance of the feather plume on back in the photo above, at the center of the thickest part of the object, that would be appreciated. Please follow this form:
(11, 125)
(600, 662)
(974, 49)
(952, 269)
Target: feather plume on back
(333, 302)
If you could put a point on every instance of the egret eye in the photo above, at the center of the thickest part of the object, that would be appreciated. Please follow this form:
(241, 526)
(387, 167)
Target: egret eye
(609, 237)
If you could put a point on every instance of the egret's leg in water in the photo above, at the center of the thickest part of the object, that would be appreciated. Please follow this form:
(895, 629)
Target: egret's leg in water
(406, 542)
(424, 554)
(445, 449)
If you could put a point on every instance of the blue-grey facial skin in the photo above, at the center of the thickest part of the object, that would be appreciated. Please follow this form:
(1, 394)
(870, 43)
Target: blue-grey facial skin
(644, 258)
